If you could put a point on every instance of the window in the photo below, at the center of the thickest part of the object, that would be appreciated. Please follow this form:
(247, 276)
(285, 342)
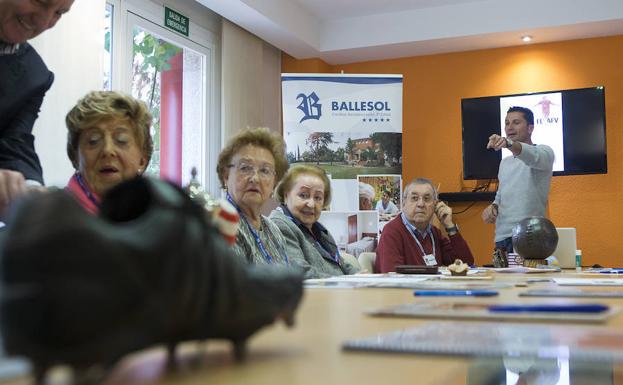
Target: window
(168, 78)
(107, 56)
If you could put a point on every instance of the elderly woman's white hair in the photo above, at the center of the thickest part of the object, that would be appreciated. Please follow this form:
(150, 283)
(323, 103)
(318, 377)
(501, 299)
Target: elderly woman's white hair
(366, 190)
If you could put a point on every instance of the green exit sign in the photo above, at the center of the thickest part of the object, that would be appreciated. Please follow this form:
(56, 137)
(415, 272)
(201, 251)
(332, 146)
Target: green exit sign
(176, 21)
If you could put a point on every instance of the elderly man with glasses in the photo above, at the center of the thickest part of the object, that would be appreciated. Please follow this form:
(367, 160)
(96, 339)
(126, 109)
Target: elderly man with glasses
(411, 239)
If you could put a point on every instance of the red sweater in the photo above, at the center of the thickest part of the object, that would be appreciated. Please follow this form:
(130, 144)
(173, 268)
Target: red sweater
(397, 247)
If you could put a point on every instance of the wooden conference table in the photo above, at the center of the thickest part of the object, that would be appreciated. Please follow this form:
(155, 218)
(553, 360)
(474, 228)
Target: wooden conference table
(310, 353)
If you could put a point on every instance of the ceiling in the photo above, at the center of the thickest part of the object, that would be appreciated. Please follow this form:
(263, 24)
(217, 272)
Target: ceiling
(346, 31)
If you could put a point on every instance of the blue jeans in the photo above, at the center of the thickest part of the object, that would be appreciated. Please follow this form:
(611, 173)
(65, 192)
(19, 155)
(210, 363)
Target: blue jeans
(506, 243)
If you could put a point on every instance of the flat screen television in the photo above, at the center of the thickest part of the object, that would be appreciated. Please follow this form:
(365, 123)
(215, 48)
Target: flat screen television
(572, 122)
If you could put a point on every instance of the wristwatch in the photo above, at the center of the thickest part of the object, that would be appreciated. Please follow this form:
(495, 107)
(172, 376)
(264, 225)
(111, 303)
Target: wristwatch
(452, 230)
(509, 143)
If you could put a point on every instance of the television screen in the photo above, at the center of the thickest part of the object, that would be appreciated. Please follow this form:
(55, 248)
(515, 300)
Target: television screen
(571, 122)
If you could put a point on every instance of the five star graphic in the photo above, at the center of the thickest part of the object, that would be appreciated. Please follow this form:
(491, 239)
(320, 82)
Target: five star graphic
(376, 119)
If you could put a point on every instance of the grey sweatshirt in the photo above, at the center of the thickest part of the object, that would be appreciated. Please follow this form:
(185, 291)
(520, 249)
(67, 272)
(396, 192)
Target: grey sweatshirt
(524, 187)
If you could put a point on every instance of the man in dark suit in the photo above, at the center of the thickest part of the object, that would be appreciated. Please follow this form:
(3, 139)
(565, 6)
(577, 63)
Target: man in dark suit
(24, 80)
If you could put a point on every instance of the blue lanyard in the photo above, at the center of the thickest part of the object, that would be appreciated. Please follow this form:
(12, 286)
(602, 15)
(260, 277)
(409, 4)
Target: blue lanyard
(258, 240)
(412, 231)
(85, 190)
(335, 257)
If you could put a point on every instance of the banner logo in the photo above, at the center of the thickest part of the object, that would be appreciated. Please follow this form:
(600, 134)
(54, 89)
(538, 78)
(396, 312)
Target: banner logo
(310, 106)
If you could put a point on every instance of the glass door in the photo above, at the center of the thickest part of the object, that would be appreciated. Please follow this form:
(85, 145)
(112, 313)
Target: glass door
(168, 72)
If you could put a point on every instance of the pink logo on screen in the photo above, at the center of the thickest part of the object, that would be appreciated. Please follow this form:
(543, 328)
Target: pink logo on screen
(545, 105)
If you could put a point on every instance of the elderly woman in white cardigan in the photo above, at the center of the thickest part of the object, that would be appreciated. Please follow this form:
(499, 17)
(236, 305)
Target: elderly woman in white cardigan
(303, 192)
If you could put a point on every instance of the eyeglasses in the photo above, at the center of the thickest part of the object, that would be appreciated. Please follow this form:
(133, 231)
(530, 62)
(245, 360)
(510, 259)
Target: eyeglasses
(248, 170)
(427, 199)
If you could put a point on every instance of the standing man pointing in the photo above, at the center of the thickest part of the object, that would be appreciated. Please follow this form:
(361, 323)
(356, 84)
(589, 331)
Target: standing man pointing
(524, 178)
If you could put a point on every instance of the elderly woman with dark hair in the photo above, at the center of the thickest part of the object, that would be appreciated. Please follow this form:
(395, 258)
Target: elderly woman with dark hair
(303, 193)
(249, 167)
(108, 142)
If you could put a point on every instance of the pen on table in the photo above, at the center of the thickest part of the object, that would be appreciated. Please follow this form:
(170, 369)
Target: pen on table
(452, 293)
(550, 308)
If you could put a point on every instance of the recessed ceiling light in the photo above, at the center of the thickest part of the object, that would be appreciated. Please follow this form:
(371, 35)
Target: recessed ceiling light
(526, 38)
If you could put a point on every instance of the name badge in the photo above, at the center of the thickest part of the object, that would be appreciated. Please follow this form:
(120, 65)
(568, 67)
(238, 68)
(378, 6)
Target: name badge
(430, 260)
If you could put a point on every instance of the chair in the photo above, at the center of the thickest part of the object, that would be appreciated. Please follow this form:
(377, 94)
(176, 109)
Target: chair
(366, 261)
(351, 260)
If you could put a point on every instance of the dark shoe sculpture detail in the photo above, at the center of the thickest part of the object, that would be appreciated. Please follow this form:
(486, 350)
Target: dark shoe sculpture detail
(85, 290)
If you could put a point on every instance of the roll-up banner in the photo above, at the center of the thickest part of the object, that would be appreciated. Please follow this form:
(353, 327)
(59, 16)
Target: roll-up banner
(351, 126)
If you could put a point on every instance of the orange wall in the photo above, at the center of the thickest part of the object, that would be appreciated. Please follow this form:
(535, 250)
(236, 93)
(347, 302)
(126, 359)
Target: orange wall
(433, 88)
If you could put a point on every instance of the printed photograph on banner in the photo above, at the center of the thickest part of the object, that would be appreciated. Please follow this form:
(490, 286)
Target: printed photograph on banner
(383, 193)
(345, 155)
(548, 125)
(354, 232)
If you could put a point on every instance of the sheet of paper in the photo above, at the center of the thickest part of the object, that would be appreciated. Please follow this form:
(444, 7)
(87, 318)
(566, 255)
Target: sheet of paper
(499, 339)
(460, 285)
(589, 282)
(355, 281)
(524, 270)
(480, 310)
(573, 293)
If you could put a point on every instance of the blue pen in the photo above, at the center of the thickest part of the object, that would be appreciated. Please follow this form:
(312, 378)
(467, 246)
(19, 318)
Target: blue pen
(453, 293)
(550, 308)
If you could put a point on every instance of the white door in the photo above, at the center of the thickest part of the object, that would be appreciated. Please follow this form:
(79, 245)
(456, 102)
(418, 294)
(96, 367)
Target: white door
(174, 75)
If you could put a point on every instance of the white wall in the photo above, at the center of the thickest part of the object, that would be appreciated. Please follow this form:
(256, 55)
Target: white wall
(251, 78)
(367, 222)
(72, 51)
(337, 224)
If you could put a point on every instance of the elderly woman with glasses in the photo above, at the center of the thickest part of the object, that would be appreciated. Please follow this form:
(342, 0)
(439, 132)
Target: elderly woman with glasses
(249, 167)
(304, 192)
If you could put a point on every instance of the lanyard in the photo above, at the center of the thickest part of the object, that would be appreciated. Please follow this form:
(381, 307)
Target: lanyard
(256, 236)
(335, 257)
(85, 190)
(412, 231)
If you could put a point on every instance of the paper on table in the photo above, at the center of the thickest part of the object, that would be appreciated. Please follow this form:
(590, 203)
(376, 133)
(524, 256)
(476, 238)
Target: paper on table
(480, 310)
(575, 293)
(458, 285)
(356, 281)
(589, 282)
(495, 339)
(466, 277)
(524, 270)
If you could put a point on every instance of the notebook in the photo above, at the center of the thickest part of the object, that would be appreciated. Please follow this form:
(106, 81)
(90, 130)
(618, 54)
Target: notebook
(565, 251)
(520, 340)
